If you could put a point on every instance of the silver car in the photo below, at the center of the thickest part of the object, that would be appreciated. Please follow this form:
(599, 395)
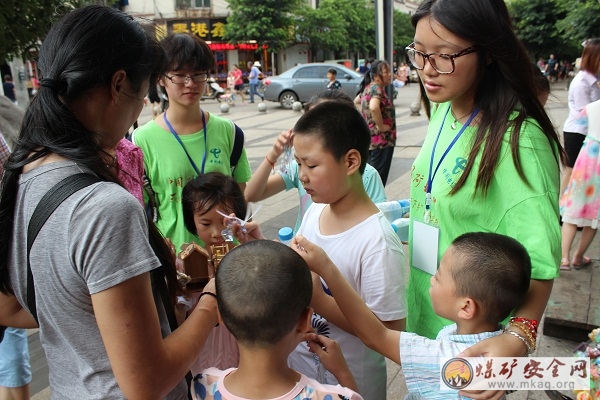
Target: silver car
(302, 82)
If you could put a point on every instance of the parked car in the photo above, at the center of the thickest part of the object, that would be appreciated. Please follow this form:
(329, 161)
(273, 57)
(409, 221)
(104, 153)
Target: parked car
(302, 82)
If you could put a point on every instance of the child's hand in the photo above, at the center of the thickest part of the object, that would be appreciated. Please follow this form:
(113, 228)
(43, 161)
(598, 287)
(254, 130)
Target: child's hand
(315, 257)
(251, 232)
(328, 351)
(284, 139)
(331, 357)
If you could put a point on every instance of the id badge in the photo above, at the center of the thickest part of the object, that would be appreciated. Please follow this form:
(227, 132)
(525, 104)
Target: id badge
(425, 247)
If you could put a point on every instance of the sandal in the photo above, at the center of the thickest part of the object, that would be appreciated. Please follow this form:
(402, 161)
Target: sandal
(565, 265)
(585, 262)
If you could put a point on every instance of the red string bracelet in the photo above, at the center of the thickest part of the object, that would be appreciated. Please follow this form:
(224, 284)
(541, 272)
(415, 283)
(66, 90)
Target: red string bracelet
(269, 161)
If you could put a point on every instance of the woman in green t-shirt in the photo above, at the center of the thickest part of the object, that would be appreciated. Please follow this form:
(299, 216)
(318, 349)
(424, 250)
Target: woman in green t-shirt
(490, 160)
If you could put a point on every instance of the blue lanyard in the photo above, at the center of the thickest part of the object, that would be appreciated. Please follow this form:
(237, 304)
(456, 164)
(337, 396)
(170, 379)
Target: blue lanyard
(183, 147)
(432, 175)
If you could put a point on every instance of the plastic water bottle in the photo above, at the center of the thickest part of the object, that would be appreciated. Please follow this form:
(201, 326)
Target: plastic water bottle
(401, 226)
(285, 235)
(395, 209)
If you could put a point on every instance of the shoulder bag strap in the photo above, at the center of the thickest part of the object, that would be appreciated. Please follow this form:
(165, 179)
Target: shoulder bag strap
(238, 146)
(51, 200)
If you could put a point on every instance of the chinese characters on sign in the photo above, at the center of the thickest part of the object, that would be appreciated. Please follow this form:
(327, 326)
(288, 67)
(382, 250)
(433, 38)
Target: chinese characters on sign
(515, 373)
(209, 29)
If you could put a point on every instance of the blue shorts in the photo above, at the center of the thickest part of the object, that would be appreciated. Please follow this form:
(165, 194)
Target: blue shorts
(15, 370)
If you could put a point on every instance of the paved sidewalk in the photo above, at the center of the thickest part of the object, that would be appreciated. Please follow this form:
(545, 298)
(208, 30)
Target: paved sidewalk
(261, 130)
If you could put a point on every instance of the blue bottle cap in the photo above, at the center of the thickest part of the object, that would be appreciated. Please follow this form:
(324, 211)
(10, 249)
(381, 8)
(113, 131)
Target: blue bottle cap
(286, 233)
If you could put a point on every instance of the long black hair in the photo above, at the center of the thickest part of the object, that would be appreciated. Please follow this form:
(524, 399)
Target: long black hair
(506, 82)
(81, 52)
(376, 67)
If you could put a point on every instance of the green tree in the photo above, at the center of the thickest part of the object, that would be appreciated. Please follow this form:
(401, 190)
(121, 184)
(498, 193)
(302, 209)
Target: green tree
(580, 22)
(26, 22)
(555, 26)
(269, 22)
(404, 33)
(320, 28)
(345, 26)
(535, 24)
(359, 19)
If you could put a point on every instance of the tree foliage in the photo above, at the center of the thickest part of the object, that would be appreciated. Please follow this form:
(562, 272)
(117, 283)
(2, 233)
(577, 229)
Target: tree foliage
(23, 23)
(555, 26)
(404, 33)
(26, 22)
(320, 28)
(338, 25)
(268, 21)
(359, 18)
(581, 21)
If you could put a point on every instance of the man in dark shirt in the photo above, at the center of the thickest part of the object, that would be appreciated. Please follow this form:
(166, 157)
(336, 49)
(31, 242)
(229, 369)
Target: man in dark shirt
(552, 68)
(9, 88)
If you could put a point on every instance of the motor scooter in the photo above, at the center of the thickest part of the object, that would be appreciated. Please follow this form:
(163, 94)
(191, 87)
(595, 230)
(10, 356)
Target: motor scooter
(213, 90)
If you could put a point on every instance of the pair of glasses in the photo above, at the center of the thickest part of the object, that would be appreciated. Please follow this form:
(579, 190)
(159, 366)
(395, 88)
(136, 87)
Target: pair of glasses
(180, 79)
(442, 63)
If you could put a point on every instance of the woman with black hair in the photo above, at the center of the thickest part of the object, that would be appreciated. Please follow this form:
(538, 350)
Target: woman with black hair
(490, 161)
(379, 111)
(102, 323)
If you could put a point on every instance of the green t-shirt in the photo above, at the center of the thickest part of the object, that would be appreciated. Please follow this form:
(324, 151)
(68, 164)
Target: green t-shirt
(511, 207)
(169, 169)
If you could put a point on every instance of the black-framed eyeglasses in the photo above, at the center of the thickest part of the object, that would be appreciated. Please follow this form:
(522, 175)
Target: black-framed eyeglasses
(442, 63)
(180, 79)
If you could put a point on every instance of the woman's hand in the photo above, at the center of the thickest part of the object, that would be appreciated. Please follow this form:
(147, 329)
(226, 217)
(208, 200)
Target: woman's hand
(385, 128)
(250, 231)
(503, 345)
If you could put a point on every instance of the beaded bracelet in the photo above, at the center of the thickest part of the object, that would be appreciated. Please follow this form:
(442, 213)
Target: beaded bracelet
(518, 335)
(522, 326)
(207, 293)
(532, 324)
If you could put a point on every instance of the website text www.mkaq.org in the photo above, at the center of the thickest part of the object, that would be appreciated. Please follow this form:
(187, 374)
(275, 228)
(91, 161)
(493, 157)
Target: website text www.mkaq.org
(533, 385)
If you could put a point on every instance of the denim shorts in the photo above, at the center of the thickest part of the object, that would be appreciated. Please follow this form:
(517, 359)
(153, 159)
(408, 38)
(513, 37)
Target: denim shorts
(15, 370)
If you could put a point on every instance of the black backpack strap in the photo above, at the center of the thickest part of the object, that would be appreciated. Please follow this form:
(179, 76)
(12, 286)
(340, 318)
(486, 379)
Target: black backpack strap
(50, 202)
(47, 205)
(238, 146)
(151, 205)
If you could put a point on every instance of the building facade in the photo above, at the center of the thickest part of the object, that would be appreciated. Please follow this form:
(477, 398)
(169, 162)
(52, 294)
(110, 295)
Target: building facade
(208, 19)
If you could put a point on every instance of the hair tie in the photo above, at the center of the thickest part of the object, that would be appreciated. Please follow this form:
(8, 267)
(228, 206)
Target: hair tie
(49, 83)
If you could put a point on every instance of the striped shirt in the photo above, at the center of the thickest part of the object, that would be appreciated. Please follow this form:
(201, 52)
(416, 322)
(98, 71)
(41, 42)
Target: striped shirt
(422, 357)
(4, 153)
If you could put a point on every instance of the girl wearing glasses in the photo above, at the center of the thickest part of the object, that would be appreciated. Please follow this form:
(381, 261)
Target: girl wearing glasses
(186, 141)
(490, 161)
